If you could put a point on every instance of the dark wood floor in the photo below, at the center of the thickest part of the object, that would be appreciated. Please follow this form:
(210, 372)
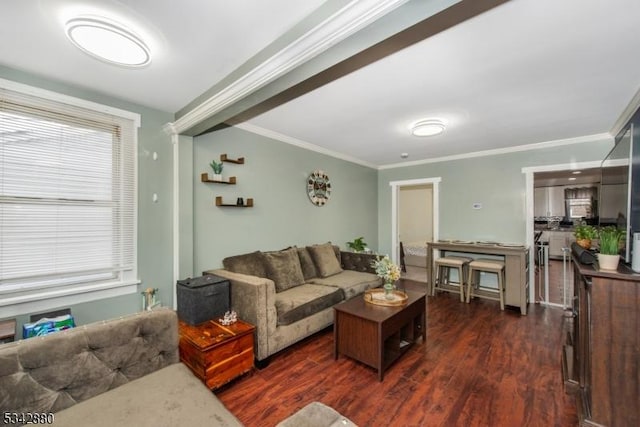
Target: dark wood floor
(479, 367)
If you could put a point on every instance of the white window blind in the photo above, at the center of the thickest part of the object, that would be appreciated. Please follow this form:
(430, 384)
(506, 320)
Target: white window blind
(67, 198)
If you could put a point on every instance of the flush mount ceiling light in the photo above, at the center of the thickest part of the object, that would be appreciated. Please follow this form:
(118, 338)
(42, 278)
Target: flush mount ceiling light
(108, 41)
(429, 127)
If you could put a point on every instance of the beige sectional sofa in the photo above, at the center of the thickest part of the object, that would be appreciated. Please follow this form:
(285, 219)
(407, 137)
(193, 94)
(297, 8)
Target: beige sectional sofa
(289, 294)
(121, 372)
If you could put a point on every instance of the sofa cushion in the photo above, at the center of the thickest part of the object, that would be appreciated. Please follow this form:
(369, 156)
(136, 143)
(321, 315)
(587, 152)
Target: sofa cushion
(172, 396)
(306, 263)
(284, 269)
(325, 259)
(251, 264)
(302, 301)
(350, 282)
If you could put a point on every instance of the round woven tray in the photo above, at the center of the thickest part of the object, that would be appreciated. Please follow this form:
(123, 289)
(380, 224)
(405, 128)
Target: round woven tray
(377, 297)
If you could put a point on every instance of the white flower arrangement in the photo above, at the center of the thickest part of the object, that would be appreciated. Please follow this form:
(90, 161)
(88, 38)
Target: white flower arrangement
(386, 269)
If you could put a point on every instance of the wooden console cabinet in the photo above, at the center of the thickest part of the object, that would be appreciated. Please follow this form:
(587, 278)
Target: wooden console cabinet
(601, 359)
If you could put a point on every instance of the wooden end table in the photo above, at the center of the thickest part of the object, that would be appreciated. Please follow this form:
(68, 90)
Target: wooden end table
(378, 335)
(217, 353)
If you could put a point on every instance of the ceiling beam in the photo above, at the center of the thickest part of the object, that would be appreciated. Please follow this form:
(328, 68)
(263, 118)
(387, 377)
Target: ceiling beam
(424, 29)
(406, 25)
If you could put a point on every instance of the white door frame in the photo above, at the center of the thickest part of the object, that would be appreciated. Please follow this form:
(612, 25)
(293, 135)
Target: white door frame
(528, 174)
(395, 189)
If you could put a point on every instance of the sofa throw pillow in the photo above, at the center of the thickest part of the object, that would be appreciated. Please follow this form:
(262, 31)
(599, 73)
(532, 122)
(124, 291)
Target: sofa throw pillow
(284, 269)
(306, 263)
(251, 264)
(324, 257)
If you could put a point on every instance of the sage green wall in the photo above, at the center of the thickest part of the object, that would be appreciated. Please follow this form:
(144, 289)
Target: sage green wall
(154, 219)
(274, 175)
(495, 181)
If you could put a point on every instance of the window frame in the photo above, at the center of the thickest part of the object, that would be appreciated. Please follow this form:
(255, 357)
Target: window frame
(16, 303)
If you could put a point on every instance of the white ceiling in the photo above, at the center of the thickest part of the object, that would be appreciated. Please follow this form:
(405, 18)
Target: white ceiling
(525, 72)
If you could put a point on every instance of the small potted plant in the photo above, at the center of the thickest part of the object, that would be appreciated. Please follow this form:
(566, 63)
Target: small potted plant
(358, 245)
(217, 170)
(584, 235)
(609, 253)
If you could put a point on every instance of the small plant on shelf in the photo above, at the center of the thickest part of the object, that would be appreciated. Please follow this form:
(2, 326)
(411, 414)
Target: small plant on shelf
(358, 245)
(217, 170)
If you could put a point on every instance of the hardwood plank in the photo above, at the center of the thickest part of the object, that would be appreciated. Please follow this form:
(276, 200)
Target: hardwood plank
(479, 367)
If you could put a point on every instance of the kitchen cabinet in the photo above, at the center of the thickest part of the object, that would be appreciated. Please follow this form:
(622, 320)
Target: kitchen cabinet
(540, 202)
(548, 201)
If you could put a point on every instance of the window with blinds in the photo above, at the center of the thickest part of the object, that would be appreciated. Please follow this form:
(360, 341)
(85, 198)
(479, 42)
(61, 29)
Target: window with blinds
(67, 198)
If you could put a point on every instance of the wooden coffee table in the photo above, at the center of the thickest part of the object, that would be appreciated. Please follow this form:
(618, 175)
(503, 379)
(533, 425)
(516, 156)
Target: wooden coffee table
(378, 335)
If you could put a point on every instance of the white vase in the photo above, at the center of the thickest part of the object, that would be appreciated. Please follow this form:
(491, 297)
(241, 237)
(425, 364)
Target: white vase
(217, 177)
(608, 262)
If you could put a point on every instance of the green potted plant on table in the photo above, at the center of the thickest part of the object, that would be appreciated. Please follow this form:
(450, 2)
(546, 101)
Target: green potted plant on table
(217, 170)
(358, 245)
(609, 253)
(584, 235)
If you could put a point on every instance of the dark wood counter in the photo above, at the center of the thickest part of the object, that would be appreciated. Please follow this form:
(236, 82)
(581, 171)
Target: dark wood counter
(601, 358)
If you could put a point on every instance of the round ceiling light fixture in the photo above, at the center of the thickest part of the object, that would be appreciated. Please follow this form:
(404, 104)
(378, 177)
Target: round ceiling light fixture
(427, 127)
(108, 41)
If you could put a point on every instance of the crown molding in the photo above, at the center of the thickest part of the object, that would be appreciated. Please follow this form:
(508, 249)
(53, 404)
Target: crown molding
(526, 147)
(346, 21)
(626, 114)
(302, 144)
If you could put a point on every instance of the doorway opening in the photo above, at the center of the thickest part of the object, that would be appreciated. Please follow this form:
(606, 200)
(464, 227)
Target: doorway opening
(414, 223)
(555, 196)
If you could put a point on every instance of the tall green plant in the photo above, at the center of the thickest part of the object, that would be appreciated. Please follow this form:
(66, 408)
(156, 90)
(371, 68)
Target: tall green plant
(610, 238)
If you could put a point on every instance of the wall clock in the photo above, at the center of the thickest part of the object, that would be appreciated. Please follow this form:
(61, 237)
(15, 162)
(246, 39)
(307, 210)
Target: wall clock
(318, 187)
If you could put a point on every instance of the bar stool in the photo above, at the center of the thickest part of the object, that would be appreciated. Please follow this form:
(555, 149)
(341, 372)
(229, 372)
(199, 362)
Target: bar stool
(443, 268)
(473, 283)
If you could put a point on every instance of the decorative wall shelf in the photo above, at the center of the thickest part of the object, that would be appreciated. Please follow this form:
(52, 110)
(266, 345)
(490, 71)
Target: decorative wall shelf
(204, 177)
(247, 204)
(224, 158)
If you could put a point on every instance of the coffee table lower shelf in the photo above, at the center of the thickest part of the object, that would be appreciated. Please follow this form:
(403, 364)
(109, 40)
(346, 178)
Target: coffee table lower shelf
(377, 335)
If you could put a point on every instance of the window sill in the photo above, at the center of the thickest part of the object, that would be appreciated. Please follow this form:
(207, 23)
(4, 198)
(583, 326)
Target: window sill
(55, 298)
